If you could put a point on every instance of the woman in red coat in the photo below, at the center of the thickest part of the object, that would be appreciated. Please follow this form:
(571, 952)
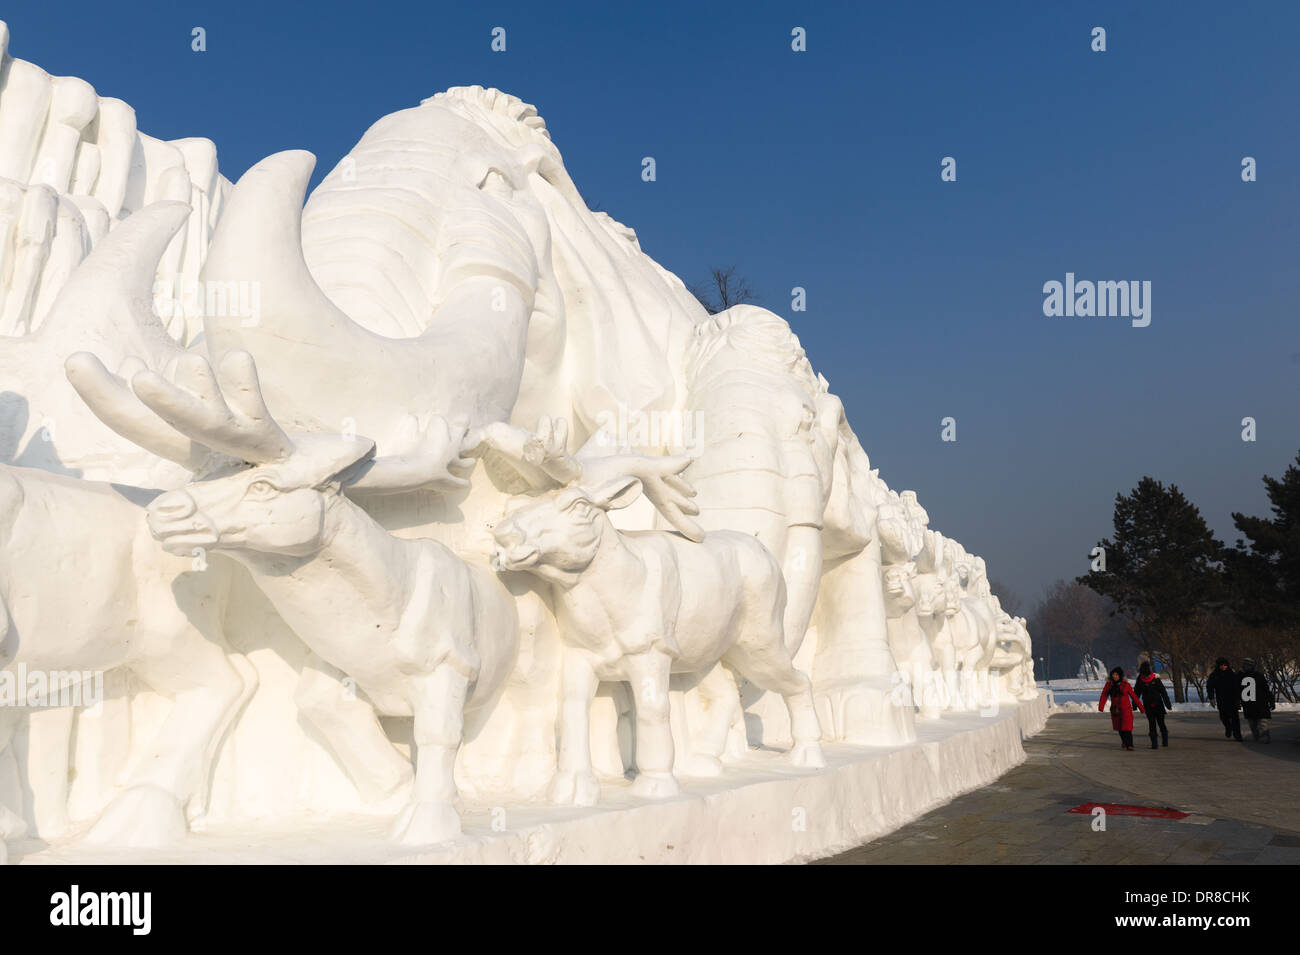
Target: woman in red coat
(1122, 700)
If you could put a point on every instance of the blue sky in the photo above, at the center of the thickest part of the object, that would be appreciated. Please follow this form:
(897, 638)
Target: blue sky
(821, 169)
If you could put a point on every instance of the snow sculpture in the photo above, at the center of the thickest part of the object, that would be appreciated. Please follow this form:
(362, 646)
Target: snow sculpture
(305, 462)
(635, 607)
(936, 605)
(134, 607)
(74, 167)
(902, 540)
(439, 636)
(856, 679)
(764, 468)
(974, 634)
(1013, 664)
(1091, 668)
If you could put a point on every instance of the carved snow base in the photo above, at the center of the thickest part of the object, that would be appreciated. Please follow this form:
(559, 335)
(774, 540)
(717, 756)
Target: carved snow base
(865, 713)
(762, 811)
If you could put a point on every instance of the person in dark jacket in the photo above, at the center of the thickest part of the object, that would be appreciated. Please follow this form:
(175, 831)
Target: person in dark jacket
(1224, 690)
(1151, 691)
(1119, 694)
(1256, 700)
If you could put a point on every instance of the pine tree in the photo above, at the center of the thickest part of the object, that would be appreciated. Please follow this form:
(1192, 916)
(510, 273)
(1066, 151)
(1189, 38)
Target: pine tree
(1162, 566)
(1264, 569)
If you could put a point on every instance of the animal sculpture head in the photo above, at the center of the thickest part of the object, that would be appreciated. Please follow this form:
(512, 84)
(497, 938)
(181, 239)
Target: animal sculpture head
(963, 572)
(557, 535)
(900, 595)
(937, 594)
(272, 507)
(931, 599)
(260, 491)
(912, 506)
(900, 538)
(753, 339)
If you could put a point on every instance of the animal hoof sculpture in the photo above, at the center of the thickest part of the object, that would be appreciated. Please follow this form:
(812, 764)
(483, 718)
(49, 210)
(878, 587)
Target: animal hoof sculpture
(808, 755)
(426, 824)
(575, 789)
(445, 604)
(656, 786)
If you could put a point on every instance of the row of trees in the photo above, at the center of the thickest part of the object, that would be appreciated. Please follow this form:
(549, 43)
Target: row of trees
(1074, 624)
(1165, 585)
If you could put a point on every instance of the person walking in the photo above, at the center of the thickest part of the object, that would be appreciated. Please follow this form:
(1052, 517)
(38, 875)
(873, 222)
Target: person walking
(1256, 700)
(1151, 692)
(1224, 690)
(1122, 700)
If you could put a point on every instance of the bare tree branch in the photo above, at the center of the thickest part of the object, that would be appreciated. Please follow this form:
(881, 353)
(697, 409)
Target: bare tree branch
(723, 289)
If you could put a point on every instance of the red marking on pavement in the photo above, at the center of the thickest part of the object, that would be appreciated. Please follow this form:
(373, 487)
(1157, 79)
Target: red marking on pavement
(1119, 809)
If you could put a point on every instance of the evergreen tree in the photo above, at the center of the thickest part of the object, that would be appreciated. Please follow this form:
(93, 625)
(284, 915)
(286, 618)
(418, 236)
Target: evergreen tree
(1264, 569)
(1162, 566)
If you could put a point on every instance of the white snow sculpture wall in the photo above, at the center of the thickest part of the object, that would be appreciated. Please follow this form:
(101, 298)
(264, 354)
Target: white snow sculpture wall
(446, 443)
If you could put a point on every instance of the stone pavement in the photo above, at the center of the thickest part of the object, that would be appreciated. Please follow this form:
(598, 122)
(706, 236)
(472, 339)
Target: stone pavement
(1244, 799)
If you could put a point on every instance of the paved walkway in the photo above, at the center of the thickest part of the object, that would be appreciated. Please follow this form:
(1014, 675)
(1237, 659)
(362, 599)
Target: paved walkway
(1244, 799)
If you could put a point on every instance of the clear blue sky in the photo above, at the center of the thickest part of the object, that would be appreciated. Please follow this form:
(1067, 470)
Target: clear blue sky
(821, 169)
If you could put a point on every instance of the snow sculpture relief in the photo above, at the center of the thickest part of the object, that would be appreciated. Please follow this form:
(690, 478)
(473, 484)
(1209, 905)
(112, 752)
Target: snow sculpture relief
(330, 503)
(634, 607)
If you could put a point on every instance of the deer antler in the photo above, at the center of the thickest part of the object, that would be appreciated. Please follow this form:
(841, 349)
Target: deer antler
(430, 461)
(113, 402)
(541, 459)
(204, 420)
(661, 482)
(187, 420)
(225, 411)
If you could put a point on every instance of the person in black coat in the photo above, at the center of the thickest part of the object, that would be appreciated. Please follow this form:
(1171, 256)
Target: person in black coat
(1151, 691)
(1224, 689)
(1256, 700)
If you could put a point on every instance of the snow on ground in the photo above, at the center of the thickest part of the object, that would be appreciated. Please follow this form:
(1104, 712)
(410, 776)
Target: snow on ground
(1081, 696)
